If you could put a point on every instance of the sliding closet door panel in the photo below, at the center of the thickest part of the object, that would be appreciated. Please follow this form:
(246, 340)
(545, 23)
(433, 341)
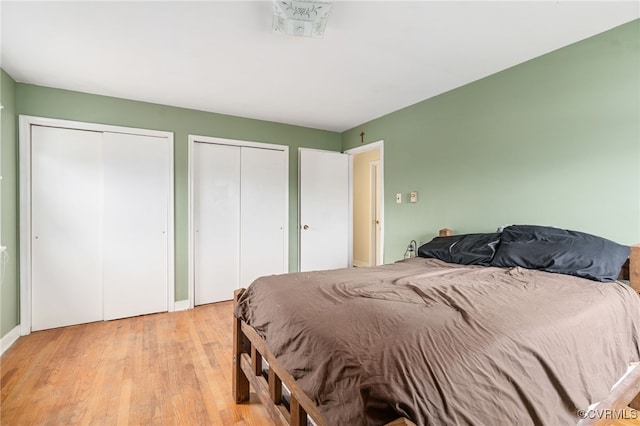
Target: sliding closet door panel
(66, 286)
(136, 201)
(216, 195)
(263, 201)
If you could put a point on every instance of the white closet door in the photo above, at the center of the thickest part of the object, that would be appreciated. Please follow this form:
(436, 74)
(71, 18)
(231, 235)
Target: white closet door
(216, 192)
(66, 222)
(263, 200)
(136, 202)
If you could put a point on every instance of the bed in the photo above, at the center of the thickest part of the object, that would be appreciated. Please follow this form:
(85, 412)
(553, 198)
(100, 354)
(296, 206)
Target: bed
(428, 341)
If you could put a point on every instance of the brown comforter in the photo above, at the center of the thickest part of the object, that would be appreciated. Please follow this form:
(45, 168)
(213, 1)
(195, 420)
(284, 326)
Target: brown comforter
(446, 344)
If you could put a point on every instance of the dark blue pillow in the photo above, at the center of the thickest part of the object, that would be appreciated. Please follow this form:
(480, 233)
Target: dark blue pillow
(466, 249)
(561, 251)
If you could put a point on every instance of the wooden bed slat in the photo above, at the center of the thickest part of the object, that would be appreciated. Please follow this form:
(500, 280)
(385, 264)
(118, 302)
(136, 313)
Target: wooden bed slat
(256, 361)
(635, 403)
(240, 383)
(275, 387)
(298, 415)
(280, 417)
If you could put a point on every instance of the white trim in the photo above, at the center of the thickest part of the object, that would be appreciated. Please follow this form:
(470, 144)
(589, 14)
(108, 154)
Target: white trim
(171, 228)
(25, 123)
(237, 142)
(193, 139)
(350, 211)
(367, 147)
(375, 254)
(96, 127)
(24, 171)
(181, 305)
(9, 339)
(299, 197)
(359, 150)
(191, 278)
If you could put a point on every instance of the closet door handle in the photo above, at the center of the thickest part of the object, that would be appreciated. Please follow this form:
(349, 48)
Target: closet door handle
(305, 227)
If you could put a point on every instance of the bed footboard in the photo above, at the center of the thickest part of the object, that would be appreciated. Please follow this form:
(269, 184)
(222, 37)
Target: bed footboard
(249, 351)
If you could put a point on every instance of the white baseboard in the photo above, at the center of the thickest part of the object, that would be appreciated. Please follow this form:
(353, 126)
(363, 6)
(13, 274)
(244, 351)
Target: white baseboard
(9, 339)
(181, 305)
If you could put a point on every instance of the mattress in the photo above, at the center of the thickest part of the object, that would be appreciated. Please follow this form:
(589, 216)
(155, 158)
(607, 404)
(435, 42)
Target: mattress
(442, 344)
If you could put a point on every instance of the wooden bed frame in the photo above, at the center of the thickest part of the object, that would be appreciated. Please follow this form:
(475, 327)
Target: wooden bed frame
(249, 351)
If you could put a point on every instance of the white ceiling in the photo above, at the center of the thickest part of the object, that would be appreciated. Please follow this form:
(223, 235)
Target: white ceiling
(375, 57)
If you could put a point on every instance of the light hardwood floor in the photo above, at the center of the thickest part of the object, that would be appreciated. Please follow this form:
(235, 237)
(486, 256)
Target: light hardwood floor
(172, 368)
(169, 369)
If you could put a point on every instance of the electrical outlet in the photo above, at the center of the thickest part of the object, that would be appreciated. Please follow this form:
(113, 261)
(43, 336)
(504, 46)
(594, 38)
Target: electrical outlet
(399, 198)
(413, 197)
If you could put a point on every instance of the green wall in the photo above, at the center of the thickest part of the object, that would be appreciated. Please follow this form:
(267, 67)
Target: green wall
(553, 141)
(9, 286)
(64, 104)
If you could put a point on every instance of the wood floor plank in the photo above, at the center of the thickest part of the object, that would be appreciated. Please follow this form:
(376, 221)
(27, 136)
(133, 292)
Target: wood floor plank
(161, 369)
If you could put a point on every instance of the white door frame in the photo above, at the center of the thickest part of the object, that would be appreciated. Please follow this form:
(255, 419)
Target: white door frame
(359, 150)
(25, 123)
(375, 227)
(193, 139)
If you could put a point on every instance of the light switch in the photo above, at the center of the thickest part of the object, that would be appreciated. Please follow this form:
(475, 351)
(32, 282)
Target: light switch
(413, 197)
(399, 198)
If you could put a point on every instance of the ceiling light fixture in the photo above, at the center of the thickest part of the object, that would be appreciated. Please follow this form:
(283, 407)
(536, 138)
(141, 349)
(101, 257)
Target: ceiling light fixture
(300, 18)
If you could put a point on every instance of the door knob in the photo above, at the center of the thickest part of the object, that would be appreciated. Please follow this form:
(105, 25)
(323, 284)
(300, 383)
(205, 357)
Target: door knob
(305, 227)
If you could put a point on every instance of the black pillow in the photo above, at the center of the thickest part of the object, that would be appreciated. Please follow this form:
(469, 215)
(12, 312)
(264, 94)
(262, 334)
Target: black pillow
(561, 251)
(466, 249)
